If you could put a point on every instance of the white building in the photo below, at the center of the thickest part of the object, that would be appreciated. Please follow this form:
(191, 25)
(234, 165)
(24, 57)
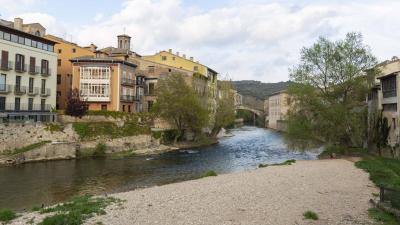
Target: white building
(28, 67)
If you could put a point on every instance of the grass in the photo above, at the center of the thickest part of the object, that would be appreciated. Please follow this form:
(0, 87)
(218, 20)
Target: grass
(310, 215)
(89, 131)
(76, 211)
(26, 148)
(382, 217)
(287, 162)
(53, 127)
(340, 151)
(7, 215)
(210, 173)
(383, 172)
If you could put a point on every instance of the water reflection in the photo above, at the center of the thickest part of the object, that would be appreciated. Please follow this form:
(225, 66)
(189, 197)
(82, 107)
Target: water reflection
(49, 182)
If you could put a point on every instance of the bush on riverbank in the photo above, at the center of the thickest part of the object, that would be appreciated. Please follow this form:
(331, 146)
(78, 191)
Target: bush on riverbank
(89, 131)
(7, 215)
(287, 162)
(210, 173)
(76, 211)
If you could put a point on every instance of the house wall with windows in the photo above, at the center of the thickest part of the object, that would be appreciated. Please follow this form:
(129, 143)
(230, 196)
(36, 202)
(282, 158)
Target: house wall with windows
(278, 106)
(66, 51)
(28, 67)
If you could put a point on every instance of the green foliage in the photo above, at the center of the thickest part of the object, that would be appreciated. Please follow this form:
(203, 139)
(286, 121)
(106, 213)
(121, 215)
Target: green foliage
(225, 115)
(76, 211)
(7, 215)
(247, 116)
(287, 162)
(383, 172)
(310, 215)
(28, 147)
(156, 134)
(53, 127)
(379, 130)
(258, 89)
(100, 150)
(210, 173)
(179, 104)
(382, 218)
(340, 150)
(145, 116)
(329, 92)
(75, 106)
(89, 131)
(35, 208)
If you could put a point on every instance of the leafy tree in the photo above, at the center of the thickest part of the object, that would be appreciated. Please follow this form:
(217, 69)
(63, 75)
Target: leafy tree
(75, 106)
(379, 130)
(225, 115)
(329, 91)
(180, 105)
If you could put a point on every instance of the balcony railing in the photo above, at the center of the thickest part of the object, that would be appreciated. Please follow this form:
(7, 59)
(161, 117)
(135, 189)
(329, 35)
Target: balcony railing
(20, 68)
(127, 98)
(12, 107)
(6, 65)
(19, 90)
(33, 91)
(34, 69)
(45, 92)
(126, 81)
(45, 72)
(389, 93)
(5, 88)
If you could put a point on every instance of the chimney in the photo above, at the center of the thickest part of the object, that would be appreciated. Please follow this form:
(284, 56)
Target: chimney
(92, 47)
(184, 56)
(177, 53)
(18, 22)
(170, 51)
(191, 59)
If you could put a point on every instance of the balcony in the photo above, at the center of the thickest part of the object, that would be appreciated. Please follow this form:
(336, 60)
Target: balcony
(19, 90)
(33, 70)
(20, 68)
(5, 88)
(45, 92)
(45, 72)
(127, 98)
(6, 65)
(126, 81)
(33, 91)
(12, 107)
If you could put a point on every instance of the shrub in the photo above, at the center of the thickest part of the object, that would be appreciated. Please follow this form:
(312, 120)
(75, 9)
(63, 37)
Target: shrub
(382, 217)
(262, 165)
(100, 150)
(7, 215)
(210, 173)
(29, 147)
(310, 215)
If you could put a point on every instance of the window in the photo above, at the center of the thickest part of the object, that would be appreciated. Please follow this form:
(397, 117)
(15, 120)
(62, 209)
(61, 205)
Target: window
(43, 87)
(123, 108)
(73, 50)
(58, 62)
(45, 66)
(149, 105)
(28, 42)
(21, 40)
(19, 62)
(58, 93)
(34, 44)
(164, 58)
(2, 103)
(30, 104)
(31, 82)
(196, 68)
(3, 78)
(104, 107)
(169, 70)
(14, 38)
(39, 45)
(17, 104)
(32, 64)
(43, 104)
(59, 51)
(151, 89)
(58, 78)
(7, 36)
(389, 86)
(17, 82)
(129, 108)
(173, 58)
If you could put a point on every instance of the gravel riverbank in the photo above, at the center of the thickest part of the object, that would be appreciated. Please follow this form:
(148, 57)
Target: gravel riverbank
(278, 195)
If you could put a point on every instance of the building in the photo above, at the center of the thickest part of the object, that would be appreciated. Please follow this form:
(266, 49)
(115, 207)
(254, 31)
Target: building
(66, 50)
(28, 68)
(108, 83)
(385, 95)
(278, 106)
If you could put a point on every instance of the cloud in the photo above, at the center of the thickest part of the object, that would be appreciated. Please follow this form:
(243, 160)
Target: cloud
(15, 6)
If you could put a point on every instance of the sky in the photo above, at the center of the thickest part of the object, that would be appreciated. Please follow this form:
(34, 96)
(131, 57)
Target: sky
(241, 39)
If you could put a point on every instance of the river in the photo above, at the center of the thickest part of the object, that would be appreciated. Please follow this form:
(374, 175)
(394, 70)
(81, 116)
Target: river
(27, 185)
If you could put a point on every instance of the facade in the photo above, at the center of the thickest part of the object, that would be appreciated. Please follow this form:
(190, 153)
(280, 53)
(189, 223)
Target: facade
(108, 83)
(385, 96)
(66, 51)
(278, 106)
(28, 68)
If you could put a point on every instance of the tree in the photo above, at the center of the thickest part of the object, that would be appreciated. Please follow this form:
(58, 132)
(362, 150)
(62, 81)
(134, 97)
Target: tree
(330, 85)
(75, 106)
(179, 105)
(225, 115)
(379, 131)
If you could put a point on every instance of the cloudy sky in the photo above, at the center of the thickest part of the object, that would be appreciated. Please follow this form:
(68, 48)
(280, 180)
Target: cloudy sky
(244, 39)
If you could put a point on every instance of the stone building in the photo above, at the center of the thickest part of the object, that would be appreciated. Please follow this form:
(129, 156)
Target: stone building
(27, 72)
(278, 105)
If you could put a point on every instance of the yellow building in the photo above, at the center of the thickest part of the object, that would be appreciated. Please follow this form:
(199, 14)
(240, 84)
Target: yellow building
(66, 50)
(278, 106)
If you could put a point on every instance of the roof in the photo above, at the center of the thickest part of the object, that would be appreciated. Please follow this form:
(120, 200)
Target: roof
(117, 51)
(104, 59)
(27, 35)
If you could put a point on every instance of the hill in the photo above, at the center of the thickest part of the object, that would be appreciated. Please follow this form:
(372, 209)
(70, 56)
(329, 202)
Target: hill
(258, 89)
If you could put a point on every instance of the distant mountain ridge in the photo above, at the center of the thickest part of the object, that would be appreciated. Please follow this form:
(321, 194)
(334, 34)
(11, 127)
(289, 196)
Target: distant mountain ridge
(258, 89)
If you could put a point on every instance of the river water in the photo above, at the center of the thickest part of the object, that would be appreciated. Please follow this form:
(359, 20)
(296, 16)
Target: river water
(24, 186)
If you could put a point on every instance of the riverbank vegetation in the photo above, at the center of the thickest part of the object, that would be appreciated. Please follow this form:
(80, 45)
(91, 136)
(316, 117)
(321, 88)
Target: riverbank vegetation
(383, 171)
(329, 92)
(26, 148)
(210, 173)
(287, 162)
(310, 215)
(7, 215)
